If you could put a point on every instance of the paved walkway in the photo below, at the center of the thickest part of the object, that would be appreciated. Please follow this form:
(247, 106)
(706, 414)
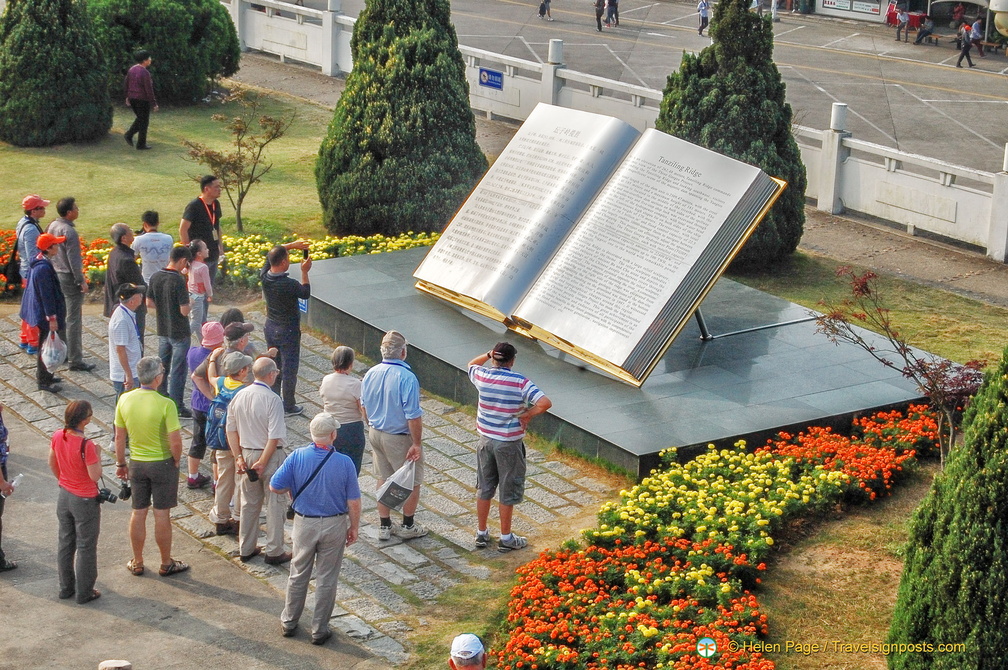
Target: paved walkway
(383, 585)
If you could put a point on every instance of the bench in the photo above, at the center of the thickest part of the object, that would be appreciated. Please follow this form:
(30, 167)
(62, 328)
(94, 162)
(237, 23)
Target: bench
(994, 47)
(936, 38)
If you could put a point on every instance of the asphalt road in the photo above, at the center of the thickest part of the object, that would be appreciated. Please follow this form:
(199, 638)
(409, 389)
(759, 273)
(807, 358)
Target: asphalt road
(899, 95)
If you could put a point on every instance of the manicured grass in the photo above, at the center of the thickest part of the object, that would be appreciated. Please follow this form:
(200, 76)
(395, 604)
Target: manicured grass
(938, 321)
(115, 183)
(839, 583)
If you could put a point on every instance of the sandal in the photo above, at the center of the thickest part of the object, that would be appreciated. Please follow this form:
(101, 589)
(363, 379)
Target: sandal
(6, 565)
(173, 568)
(95, 595)
(135, 568)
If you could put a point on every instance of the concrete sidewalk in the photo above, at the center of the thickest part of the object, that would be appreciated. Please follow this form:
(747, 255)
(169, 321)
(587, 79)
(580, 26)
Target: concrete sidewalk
(215, 615)
(227, 612)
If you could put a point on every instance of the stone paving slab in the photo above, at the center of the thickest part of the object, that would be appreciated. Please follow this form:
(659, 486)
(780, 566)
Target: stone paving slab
(381, 582)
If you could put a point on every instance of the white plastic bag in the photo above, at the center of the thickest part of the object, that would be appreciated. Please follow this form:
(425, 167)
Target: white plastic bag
(398, 487)
(54, 352)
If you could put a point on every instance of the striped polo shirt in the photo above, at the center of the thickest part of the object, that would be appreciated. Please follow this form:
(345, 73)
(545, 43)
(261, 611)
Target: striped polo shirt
(502, 394)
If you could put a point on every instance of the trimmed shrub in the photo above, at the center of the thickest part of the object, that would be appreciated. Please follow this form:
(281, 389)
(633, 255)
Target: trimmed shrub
(192, 43)
(730, 98)
(956, 572)
(400, 154)
(52, 75)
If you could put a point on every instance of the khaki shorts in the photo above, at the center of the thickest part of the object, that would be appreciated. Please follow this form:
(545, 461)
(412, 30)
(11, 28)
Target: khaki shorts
(388, 453)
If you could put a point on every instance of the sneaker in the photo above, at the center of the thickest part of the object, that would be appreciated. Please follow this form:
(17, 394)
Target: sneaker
(82, 367)
(184, 413)
(384, 532)
(293, 411)
(408, 533)
(516, 542)
(25, 345)
(482, 540)
(197, 482)
(31, 351)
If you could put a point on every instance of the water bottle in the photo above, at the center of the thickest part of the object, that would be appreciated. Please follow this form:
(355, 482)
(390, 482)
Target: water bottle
(14, 482)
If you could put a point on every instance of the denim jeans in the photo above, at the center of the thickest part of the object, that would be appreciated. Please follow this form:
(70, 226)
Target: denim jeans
(197, 313)
(173, 357)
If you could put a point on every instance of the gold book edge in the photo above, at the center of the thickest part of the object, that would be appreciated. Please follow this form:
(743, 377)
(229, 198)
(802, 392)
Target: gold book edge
(781, 185)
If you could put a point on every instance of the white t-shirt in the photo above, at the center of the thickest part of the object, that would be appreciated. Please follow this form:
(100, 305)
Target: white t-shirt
(155, 252)
(340, 397)
(122, 330)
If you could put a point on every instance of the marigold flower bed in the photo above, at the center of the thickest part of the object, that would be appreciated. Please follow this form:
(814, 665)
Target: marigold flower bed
(676, 559)
(245, 255)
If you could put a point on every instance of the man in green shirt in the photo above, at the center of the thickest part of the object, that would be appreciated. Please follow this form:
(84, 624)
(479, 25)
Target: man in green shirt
(155, 437)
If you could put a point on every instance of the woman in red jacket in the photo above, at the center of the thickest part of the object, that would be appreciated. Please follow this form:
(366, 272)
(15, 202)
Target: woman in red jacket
(75, 461)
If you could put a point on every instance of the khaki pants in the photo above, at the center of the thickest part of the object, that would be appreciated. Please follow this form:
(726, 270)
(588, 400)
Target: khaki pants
(320, 542)
(221, 511)
(253, 495)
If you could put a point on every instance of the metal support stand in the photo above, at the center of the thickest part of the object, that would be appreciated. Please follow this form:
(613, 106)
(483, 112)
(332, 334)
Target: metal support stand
(705, 334)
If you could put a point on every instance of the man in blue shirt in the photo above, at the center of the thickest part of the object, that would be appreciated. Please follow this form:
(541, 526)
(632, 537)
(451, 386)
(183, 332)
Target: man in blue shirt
(326, 520)
(390, 394)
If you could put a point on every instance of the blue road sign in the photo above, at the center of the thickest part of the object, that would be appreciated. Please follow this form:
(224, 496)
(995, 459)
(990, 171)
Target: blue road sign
(491, 79)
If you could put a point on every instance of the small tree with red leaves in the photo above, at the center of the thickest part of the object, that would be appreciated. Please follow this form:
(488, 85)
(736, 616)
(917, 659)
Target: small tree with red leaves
(947, 384)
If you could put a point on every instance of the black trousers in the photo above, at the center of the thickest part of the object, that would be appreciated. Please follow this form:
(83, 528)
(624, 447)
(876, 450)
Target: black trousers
(288, 344)
(42, 375)
(139, 128)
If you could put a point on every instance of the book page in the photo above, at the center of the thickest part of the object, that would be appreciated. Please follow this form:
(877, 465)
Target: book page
(526, 204)
(636, 244)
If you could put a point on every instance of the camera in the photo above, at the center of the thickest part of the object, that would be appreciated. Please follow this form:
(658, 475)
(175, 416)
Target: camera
(253, 474)
(105, 495)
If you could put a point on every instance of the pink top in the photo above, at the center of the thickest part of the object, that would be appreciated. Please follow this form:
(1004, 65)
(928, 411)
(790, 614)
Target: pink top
(199, 279)
(72, 468)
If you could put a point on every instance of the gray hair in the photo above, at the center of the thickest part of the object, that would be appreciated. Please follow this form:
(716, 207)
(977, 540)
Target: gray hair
(342, 358)
(322, 427)
(263, 367)
(119, 231)
(393, 345)
(474, 662)
(148, 369)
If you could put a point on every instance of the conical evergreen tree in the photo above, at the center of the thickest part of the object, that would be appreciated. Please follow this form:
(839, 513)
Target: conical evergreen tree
(401, 151)
(954, 587)
(191, 42)
(730, 98)
(52, 75)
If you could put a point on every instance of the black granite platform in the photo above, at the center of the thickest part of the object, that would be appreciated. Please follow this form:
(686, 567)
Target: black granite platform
(744, 386)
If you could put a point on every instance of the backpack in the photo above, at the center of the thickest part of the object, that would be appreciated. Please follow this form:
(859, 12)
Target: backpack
(216, 424)
(542, 9)
(12, 270)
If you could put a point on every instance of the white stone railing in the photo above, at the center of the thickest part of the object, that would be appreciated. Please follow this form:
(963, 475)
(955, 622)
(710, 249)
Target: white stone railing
(925, 195)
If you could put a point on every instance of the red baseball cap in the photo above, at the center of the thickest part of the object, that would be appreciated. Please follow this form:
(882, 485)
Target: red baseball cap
(45, 240)
(31, 202)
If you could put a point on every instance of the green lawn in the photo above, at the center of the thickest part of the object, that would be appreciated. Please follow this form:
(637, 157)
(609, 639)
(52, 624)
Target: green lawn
(941, 322)
(115, 183)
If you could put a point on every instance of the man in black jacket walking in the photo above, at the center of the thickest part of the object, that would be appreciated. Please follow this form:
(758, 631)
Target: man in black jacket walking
(283, 318)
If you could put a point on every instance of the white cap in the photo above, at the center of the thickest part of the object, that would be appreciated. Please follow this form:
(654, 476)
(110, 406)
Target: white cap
(466, 646)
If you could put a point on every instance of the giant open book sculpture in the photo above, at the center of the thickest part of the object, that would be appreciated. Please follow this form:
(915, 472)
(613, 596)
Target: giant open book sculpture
(596, 239)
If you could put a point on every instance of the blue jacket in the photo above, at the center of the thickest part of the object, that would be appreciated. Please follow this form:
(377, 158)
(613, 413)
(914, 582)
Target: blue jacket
(43, 295)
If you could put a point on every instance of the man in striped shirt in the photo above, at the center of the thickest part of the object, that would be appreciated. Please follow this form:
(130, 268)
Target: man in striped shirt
(507, 401)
